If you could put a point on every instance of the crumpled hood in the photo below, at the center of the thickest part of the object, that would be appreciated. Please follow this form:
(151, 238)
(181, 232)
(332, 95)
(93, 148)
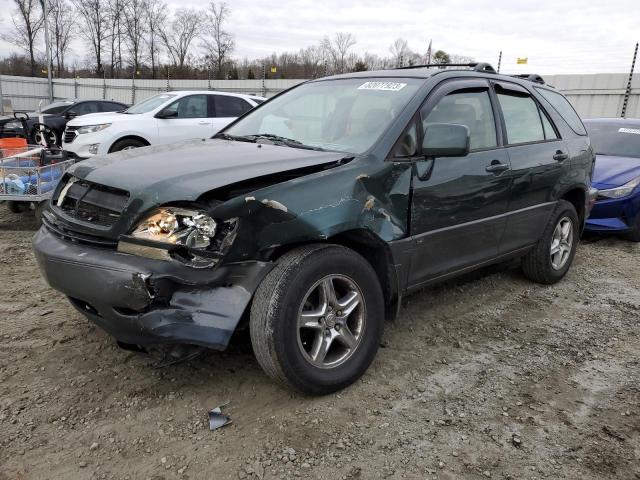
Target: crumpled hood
(186, 170)
(613, 171)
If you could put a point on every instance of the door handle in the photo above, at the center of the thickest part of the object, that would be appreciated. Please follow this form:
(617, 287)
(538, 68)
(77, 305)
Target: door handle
(560, 156)
(202, 122)
(497, 167)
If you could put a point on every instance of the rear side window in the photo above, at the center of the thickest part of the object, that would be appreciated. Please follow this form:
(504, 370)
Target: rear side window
(469, 108)
(230, 106)
(521, 118)
(86, 107)
(564, 108)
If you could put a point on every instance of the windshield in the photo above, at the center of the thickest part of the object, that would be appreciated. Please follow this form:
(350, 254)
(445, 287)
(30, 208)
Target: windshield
(346, 115)
(615, 139)
(149, 104)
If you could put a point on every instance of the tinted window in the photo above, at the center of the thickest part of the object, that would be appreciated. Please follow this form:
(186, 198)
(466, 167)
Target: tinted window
(230, 106)
(521, 118)
(408, 144)
(84, 108)
(470, 108)
(193, 106)
(112, 107)
(615, 139)
(564, 108)
(55, 109)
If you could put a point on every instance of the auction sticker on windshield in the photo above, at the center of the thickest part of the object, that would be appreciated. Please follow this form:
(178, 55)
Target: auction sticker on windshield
(389, 86)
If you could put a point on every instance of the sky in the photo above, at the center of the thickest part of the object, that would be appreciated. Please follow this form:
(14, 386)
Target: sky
(562, 36)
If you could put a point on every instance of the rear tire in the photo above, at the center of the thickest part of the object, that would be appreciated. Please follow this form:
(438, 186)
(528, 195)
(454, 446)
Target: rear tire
(294, 315)
(127, 144)
(541, 264)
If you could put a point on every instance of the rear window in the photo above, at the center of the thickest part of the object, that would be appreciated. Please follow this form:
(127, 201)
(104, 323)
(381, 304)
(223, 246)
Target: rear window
(564, 108)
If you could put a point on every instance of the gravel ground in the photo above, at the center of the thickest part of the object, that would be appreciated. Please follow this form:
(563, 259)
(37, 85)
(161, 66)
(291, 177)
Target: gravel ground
(486, 377)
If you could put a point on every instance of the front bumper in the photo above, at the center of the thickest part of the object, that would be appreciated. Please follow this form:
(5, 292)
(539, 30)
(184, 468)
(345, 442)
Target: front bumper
(143, 301)
(614, 215)
(79, 147)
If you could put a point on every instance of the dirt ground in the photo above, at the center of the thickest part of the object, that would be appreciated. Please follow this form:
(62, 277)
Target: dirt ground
(490, 376)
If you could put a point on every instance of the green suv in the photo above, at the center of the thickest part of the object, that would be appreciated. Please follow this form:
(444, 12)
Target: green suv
(307, 219)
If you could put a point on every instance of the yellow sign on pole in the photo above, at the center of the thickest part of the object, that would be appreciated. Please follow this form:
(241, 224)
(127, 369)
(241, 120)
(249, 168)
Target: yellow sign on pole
(273, 70)
(522, 61)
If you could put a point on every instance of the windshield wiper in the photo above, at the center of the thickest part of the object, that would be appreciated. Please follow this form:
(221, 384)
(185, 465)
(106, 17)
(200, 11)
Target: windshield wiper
(289, 142)
(243, 138)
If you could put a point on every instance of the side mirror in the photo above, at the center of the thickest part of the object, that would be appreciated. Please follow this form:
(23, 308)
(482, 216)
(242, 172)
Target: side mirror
(70, 114)
(167, 114)
(446, 140)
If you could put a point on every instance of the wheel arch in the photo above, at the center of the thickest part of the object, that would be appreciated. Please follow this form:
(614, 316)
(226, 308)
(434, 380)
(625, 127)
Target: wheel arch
(577, 196)
(375, 251)
(128, 137)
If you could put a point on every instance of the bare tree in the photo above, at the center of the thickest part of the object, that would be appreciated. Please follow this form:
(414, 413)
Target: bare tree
(27, 23)
(116, 34)
(338, 48)
(62, 21)
(95, 16)
(218, 43)
(156, 21)
(399, 50)
(135, 28)
(185, 27)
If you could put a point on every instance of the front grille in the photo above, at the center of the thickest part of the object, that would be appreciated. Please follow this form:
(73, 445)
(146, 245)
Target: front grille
(76, 237)
(70, 134)
(91, 202)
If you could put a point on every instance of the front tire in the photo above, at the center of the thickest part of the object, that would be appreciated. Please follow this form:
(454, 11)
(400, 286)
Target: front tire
(317, 319)
(549, 261)
(127, 144)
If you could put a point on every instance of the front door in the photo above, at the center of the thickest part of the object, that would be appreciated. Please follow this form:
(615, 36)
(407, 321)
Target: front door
(458, 207)
(188, 117)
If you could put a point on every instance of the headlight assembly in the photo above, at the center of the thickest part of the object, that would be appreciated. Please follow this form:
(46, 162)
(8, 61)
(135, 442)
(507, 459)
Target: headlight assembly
(188, 235)
(92, 128)
(620, 192)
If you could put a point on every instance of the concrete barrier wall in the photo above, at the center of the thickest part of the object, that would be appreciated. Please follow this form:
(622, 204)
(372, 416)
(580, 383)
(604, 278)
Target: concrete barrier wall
(593, 95)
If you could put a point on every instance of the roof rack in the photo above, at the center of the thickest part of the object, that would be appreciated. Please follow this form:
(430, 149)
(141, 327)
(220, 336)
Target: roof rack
(532, 77)
(477, 67)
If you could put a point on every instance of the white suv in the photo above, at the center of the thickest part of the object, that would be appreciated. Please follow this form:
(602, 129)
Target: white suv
(164, 118)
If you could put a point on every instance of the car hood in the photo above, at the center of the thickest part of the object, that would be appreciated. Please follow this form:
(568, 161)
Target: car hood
(101, 117)
(185, 170)
(613, 171)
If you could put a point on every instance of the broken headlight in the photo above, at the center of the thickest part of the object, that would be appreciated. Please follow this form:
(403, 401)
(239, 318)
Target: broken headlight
(188, 235)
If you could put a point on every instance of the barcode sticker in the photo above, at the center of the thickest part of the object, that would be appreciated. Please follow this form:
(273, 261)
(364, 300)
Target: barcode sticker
(388, 86)
(635, 131)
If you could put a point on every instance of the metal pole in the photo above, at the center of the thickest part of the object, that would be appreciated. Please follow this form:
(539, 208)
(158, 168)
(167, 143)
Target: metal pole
(208, 79)
(47, 42)
(499, 61)
(104, 83)
(627, 93)
(133, 86)
(264, 85)
(1, 100)
(168, 86)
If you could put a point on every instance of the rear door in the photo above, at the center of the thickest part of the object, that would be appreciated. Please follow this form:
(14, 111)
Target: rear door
(458, 203)
(190, 119)
(538, 159)
(227, 109)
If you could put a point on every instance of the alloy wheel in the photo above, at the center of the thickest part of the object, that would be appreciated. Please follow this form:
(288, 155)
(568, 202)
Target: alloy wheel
(331, 321)
(561, 243)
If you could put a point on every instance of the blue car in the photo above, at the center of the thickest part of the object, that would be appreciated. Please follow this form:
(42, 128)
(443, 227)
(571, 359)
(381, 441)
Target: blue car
(616, 176)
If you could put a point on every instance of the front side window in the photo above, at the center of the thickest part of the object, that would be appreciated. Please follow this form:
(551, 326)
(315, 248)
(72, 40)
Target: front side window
(564, 108)
(469, 108)
(346, 115)
(521, 117)
(192, 106)
(86, 107)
